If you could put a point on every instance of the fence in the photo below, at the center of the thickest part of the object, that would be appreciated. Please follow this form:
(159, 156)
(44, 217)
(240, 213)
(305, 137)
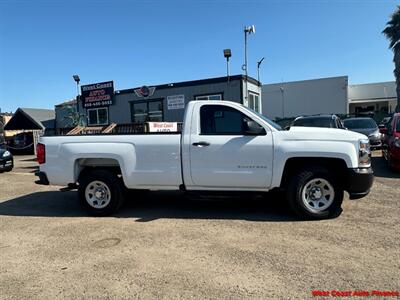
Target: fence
(128, 128)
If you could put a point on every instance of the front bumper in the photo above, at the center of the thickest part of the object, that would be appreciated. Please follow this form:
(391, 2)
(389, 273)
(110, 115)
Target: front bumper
(375, 142)
(42, 178)
(359, 182)
(6, 163)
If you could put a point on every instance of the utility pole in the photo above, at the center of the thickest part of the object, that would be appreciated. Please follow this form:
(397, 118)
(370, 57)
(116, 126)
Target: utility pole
(247, 30)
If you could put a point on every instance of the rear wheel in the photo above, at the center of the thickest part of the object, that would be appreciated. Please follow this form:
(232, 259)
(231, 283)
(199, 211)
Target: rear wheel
(314, 193)
(100, 192)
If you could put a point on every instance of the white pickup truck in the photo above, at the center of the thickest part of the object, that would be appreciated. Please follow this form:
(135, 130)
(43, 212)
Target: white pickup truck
(224, 146)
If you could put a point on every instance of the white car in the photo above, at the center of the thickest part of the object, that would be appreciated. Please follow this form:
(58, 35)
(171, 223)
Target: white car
(224, 146)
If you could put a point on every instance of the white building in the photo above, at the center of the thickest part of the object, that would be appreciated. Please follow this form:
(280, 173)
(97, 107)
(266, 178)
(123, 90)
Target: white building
(326, 95)
(372, 97)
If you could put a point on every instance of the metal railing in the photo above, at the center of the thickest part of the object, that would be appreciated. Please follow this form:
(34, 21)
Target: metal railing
(125, 128)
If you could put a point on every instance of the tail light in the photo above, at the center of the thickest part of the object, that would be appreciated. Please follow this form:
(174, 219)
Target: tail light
(41, 153)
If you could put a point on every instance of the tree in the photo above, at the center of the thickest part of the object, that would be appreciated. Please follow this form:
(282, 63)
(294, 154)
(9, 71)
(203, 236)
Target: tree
(392, 32)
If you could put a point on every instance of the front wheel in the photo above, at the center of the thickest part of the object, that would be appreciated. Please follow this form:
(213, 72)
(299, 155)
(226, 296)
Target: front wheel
(314, 193)
(100, 192)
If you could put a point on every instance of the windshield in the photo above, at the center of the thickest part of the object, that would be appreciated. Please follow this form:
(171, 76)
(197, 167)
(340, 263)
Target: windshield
(314, 122)
(272, 123)
(359, 123)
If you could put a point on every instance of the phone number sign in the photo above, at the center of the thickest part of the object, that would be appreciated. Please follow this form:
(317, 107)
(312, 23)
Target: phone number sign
(97, 94)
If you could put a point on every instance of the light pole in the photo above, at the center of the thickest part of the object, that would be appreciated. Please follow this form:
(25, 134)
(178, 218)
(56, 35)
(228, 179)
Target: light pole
(283, 102)
(77, 80)
(258, 69)
(247, 30)
(227, 55)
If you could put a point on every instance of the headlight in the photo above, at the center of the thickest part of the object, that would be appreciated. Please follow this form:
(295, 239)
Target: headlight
(375, 134)
(397, 142)
(364, 154)
(6, 153)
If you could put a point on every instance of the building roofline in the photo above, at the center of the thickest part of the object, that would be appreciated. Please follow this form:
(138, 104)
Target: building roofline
(372, 83)
(194, 82)
(68, 102)
(305, 80)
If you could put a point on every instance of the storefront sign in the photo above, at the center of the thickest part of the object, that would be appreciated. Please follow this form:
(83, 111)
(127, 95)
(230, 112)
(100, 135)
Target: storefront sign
(163, 127)
(97, 94)
(145, 91)
(176, 102)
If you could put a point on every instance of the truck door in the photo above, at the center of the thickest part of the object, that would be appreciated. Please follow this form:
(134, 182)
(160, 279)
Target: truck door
(225, 154)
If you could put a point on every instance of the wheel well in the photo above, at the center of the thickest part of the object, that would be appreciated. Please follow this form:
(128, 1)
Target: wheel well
(292, 165)
(86, 165)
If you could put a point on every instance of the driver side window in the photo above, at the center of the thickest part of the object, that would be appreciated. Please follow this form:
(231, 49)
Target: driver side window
(222, 120)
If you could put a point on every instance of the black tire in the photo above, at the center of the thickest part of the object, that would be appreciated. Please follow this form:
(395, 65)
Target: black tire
(113, 186)
(299, 182)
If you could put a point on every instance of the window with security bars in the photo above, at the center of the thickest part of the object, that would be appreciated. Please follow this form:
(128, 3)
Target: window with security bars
(149, 111)
(97, 116)
(254, 102)
(209, 97)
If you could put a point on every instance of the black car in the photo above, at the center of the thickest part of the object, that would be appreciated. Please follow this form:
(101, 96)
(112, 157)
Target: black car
(6, 160)
(21, 143)
(327, 121)
(365, 126)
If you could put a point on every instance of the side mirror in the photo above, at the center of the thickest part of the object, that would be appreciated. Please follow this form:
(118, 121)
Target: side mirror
(253, 128)
(383, 130)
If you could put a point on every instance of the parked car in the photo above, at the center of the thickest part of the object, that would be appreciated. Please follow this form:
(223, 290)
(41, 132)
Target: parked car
(391, 142)
(6, 160)
(366, 126)
(21, 143)
(224, 146)
(327, 121)
(384, 122)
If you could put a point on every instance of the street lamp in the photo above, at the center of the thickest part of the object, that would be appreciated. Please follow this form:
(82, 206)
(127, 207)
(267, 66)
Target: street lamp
(283, 101)
(227, 55)
(77, 80)
(258, 69)
(247, 31)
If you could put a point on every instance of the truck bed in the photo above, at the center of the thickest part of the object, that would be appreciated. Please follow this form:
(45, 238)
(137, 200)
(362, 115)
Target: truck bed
(151, 160)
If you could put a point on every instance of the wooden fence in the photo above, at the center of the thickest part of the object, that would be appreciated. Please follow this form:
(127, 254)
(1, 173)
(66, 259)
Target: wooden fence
(113, 128)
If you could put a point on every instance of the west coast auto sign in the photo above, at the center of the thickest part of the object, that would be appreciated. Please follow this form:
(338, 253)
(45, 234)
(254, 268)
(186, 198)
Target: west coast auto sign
(97, 94)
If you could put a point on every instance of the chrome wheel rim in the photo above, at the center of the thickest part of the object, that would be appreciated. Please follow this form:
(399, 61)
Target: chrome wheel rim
(318, 194)
(97, 194)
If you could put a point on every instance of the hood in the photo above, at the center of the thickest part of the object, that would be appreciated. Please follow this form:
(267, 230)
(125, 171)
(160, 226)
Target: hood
(366, 131)
(322, 134)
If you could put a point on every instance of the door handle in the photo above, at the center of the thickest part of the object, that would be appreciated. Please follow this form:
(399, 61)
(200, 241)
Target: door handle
(201, 144)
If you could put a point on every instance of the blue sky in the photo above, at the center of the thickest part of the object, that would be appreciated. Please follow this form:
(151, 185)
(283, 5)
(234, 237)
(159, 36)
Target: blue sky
(43, 43)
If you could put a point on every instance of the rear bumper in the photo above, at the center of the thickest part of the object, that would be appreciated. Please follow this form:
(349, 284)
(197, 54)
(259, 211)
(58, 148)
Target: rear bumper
(359, 182)
(42, 178)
